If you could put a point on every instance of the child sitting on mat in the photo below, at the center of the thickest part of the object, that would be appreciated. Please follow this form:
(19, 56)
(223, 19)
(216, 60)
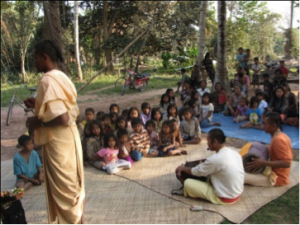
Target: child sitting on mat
(189, 128)
(241, 111)
(150, 127)
(206, 112)
(177, 134)
(166, 141)
(139, 140)
(146, 112)
(157, 118)
(27, 164)
(124, 145)
(109, 155)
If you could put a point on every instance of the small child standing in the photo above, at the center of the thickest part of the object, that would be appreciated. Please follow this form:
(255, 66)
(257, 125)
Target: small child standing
(150, 127)
(157, 118)
(254, 115)
(124, 145)
(27, 165)
(146, 113)
(172, 113)
(241, 111)
(164, 103)
(170, 93)
(109, 155)
(166, 142)
(189, 128)
(132, 113)
(139, 140)
(89, 115)
(114, 108)
(206, 112)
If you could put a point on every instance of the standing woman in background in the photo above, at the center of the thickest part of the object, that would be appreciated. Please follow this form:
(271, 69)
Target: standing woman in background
(209, 67)
(56, 111)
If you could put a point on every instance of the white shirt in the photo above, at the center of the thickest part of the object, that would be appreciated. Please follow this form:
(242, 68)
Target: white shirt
(256, 67)
(226, 171)
(205, 110)
(263, 105)
(201, 92)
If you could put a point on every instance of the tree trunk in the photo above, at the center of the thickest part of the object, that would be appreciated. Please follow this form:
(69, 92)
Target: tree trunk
(76, 38)
(23, 72)
(201, 39)
(108, 52)
(222, 72)
(52, 28)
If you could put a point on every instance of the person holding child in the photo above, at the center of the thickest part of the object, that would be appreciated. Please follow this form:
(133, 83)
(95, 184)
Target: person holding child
(209, 67)
(280, 153)
(225, 169)
(56, 111)
(189, 128)
(27, 165)
(109, 156)
(166, 141)
(254, 114)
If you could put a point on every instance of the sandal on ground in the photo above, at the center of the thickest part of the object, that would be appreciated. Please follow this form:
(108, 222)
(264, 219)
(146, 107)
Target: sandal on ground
(179, 191)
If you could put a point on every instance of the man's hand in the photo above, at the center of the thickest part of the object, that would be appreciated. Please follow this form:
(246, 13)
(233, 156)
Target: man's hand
(35, 181)
(256, 164)
(30, 103)
(34, 123)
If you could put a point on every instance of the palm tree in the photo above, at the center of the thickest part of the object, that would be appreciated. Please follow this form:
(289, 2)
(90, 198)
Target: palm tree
(202, 25)
(222, 72)
(76, 38)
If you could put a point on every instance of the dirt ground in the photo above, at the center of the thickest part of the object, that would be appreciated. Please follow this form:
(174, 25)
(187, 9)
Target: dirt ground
(9, 134)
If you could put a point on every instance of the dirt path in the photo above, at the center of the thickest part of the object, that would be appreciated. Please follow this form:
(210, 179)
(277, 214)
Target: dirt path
(17, 127)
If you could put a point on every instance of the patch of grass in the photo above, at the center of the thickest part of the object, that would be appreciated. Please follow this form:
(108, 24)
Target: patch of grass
(283, 210)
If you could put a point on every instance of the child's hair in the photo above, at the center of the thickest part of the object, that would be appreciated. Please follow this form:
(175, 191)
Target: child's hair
(162, 99)
(125, 111)
(91, 124)
(145, 105)
(183, 70)
(278, 71)
(23, 139)
(193, 93)
(89, 110)
(112, 114)
(169, 124)
(136, 121)
(107, 137)
(153, 112)
(191, 103)
(187, 109)
(105, 116)
(122, 132)
(87, 126)
(168, 93)
(51, 49)
(261, 94)
(100, 113)
(114, 105)
(206, 94)
(253, 100)
(256, 58)
(172, 106)
(150, 123)
(266, 75)
(130, 110)
(119, 119)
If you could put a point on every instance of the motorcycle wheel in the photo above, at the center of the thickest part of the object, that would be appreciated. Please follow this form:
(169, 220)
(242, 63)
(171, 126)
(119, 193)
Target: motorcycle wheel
(145, 83)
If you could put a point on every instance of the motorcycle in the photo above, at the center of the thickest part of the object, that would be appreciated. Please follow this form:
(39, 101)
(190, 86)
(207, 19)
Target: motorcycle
(138, 81)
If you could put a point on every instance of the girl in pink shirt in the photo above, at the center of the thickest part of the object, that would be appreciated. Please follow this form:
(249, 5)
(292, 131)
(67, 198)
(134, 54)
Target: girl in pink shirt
(109, 155)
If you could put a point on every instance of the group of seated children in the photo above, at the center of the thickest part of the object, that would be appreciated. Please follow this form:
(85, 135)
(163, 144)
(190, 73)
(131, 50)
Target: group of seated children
(110, 140)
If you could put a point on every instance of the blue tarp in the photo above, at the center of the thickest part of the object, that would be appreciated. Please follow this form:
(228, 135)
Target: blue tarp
(233, 130)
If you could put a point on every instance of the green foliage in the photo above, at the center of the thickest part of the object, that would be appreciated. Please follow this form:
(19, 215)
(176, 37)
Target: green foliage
(166, 56)
(295, 43)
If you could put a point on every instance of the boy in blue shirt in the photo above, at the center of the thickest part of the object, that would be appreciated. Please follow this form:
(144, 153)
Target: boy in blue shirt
(241, 58)
(27, 165)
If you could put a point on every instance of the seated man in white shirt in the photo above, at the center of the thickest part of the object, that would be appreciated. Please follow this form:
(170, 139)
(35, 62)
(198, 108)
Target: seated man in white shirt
(225, 169)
